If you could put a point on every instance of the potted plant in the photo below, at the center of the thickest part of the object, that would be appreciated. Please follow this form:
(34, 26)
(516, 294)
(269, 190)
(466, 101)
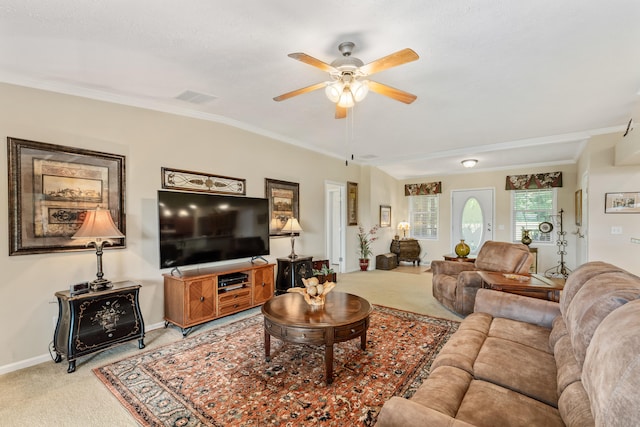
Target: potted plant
(325, 274)
(364, 241)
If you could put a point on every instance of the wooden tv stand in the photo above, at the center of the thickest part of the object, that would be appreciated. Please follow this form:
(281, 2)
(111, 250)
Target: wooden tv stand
(199, 296)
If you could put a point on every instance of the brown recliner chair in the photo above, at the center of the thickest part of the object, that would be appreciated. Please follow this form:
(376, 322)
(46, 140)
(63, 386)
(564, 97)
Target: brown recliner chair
(455, 283)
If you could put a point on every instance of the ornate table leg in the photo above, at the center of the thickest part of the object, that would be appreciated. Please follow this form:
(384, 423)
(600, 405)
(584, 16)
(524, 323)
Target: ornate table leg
(267, 345)
(328, 363)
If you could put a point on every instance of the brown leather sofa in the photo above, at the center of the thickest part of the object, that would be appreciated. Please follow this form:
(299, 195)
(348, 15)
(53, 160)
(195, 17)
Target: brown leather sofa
(455, 283)
(519, 361)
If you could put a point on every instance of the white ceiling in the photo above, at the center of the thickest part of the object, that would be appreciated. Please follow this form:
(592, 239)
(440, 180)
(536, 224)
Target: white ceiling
(506, 82)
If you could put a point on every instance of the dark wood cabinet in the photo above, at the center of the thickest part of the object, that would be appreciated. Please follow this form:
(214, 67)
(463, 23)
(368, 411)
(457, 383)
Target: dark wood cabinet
(203, 295)
(407, 250)
(97, 320)
(291, 272)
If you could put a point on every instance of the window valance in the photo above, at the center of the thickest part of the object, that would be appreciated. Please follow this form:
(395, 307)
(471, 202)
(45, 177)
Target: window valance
(423, 189)
(534, 181)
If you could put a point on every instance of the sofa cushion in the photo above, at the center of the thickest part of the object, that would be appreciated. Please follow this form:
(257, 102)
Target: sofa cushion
(598, 297)
(568, 370)
(520, 332)
(518, 367)
(462, 348)
(558, 330)
(574, 407)
(504, 257)
(489, 405)
(444, 390)
(579, 277)
(611, 369)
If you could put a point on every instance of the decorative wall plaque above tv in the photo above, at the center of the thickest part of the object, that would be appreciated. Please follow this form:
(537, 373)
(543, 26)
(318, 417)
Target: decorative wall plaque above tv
(177, 179)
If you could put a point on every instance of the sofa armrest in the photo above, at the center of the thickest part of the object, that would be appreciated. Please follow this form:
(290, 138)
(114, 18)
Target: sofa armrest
(450, 268)
(398, 411)
(516, 307)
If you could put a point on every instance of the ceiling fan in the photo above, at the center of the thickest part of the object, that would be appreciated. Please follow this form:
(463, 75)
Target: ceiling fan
(349, 78)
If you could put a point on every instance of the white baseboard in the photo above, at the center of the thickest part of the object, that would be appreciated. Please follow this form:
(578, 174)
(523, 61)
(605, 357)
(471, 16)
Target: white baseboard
(22, 364)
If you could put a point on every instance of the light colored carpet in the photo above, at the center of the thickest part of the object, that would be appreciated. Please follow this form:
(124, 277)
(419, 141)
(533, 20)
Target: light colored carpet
(45, 395)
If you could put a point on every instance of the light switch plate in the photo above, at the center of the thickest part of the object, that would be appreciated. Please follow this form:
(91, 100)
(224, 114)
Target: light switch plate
(616, 230)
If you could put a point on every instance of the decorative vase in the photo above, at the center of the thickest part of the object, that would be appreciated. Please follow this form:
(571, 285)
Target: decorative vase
(462, 249)
(364, 264)
(526, 239)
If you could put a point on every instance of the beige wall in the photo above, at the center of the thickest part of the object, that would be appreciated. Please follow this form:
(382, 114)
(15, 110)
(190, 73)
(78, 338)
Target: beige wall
(597, 166)
(547, 253)
(149, 140)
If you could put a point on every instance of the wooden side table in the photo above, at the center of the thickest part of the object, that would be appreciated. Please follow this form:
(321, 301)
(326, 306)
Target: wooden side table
(459, 259)
(291, 272)
(97, 320)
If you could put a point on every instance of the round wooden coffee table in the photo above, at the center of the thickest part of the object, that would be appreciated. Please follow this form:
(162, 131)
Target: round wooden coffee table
(342, 318)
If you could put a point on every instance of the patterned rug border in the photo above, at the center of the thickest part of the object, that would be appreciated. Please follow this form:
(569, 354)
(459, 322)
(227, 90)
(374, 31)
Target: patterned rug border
(145, 416)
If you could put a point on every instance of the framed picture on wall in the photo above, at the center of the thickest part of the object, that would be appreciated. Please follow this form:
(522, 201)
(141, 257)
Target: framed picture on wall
(284, 203)
(51, 187)
(352, 203)
(578, 206)
(385, 216)
(628, 202)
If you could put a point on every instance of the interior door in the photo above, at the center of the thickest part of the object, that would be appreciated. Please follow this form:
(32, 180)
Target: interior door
(472, 217)
(335, 220)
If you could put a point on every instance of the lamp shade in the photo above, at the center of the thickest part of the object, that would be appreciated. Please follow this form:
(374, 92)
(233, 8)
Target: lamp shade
(403, 225)
(292, 226)
(98, 225)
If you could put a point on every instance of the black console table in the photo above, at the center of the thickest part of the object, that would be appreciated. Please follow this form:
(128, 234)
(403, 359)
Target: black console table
(291, 272)
(97, 320)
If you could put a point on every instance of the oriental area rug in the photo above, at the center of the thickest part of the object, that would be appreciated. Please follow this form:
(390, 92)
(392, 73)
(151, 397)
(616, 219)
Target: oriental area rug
(221, 377)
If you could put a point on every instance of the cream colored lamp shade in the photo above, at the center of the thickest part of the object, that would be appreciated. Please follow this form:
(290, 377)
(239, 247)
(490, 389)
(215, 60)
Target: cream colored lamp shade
(404, 226)
(292, 226)
(98, 227)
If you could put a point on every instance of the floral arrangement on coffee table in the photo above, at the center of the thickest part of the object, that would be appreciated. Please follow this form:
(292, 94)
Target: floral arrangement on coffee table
(314, 292)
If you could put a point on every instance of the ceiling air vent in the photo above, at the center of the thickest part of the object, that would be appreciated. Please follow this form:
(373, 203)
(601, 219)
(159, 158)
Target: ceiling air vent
(195, 97)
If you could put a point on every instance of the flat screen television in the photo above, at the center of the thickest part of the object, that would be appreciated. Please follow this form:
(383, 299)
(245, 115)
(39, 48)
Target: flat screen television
(197, 228)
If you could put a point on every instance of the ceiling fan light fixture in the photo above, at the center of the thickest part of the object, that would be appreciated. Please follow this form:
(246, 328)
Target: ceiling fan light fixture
(346, 98)
(469, 163)
(359, 89)
(334, 90)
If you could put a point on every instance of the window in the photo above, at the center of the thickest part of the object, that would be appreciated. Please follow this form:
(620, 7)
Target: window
(530, 208)
(423, 217)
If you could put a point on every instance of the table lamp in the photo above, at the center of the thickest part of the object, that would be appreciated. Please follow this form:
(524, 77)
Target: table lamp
(404, 226)
(292, 226)
(98, 228)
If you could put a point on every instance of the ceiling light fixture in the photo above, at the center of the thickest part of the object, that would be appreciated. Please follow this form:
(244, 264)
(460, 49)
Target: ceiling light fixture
(469, 163)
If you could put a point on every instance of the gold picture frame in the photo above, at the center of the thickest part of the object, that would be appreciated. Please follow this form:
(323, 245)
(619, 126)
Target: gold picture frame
(51, 187)
(352, 203)
(578, 207)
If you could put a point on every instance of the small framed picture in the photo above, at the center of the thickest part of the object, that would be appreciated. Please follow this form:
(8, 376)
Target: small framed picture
(628, 202)
(385, 216)
(352, 203)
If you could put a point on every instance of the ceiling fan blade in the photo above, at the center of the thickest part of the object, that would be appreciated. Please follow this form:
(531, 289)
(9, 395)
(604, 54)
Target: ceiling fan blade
(398, 58)
(397, 94)
(299, 91)
(341, 112)
(303, 57)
